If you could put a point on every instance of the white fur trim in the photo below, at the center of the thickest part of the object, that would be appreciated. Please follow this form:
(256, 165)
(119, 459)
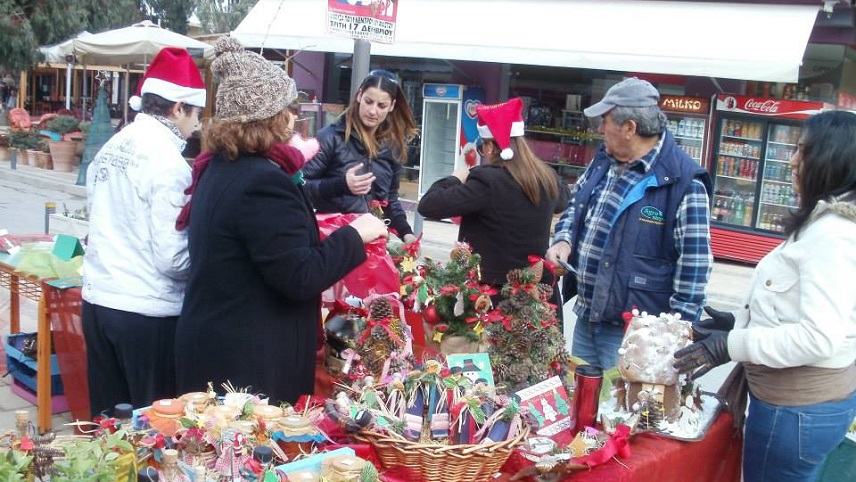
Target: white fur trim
(518, 129)
(174, 92)
(136, 103)
(506, 153)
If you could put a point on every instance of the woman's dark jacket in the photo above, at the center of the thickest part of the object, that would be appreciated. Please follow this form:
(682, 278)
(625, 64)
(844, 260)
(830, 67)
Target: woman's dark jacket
(252, 307)
(498, 220)
(325, 177)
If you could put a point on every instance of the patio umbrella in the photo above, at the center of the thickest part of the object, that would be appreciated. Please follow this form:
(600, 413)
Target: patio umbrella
(136, 44)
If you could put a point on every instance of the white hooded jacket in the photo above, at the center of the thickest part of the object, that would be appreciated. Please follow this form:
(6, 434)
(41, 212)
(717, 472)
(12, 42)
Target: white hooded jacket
(136, 260)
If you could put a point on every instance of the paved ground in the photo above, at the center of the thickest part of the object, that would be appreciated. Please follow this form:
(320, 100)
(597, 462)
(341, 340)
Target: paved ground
(23, 193)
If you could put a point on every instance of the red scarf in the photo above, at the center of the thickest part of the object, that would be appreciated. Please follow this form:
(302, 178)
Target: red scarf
(287, 157)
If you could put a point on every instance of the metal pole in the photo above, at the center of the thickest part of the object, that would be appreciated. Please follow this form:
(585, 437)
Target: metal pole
(84, 94)
(125, 99)
(50, 208)
(68, 86)
(361, 61)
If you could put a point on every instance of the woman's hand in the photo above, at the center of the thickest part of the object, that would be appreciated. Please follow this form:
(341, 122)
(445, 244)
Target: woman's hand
(462, 173)
(409, 239)
(359, 184)
(369, 227)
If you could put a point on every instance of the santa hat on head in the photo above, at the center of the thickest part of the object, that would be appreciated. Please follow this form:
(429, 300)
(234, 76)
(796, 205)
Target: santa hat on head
(501, 122)
(172, 75)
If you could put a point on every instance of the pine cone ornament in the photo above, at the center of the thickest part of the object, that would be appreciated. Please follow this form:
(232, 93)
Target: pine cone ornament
(380, 308)
(461, 253)
(537, 271)
(374, 352)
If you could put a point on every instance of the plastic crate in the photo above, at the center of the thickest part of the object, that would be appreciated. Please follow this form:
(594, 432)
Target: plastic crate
(24, 369)
(59, 404)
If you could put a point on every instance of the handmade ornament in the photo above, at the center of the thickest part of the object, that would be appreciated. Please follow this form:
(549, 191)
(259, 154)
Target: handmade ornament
(646, 364)
(525, 343)
(170, 471)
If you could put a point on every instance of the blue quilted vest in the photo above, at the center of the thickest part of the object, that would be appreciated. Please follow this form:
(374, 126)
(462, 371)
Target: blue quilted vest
(639, 260)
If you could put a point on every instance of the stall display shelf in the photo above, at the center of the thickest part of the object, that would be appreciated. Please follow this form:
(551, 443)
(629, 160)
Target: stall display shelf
(777, 160)
(783, 143)
(788, 206)
(744, 179)
(742, 138)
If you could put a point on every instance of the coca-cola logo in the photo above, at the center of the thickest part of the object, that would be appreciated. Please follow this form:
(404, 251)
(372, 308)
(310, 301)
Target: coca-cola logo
(771, 106)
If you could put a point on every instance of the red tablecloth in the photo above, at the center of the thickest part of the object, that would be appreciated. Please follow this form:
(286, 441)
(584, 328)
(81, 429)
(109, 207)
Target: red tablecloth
(716, 458)
(64, 311)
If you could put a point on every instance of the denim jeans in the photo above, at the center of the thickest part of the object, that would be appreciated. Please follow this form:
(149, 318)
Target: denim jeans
(597, 343)
(789, 444)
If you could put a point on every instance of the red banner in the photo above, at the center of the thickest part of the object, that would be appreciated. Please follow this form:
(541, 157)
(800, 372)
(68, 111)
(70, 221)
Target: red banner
(788, 109)
(372, 20)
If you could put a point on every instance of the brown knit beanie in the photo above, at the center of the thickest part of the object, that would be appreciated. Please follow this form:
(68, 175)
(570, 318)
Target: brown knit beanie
(250, 87)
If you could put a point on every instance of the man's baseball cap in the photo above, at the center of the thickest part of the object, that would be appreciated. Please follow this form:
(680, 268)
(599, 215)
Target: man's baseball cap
(630, 92)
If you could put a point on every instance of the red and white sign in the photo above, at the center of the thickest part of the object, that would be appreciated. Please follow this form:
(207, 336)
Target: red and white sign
(846, 101)
(681, 103)
(762, 106)
(372, 20)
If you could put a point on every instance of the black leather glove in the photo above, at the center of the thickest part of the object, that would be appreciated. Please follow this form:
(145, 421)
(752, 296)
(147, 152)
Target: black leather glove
(718, 321)
(703, 355)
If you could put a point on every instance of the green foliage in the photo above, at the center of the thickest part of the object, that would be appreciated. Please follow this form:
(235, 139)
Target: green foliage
(219, 16)
(55, 22)
(18, 44)
(462, 273)
(63, 124)
(525, 345)
(173, 14)
(92, 460)
(109, 14)
(13, 466)
(23, 140)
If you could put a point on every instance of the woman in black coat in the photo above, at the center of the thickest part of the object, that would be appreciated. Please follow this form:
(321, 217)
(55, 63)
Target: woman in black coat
(360, 155)
(507, 204)
(251, 313)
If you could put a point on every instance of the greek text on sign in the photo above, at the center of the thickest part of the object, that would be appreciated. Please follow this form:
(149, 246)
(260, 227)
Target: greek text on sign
(372, 20)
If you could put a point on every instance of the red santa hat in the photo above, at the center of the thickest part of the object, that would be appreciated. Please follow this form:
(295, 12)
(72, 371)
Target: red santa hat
(172, 75)
(501, 122)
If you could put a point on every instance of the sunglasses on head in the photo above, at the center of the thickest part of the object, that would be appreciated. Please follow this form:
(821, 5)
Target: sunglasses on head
(384, 74)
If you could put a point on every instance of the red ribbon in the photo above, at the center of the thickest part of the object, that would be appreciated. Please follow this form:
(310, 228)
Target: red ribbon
(339, 307)
(383, 323)
(617, 445)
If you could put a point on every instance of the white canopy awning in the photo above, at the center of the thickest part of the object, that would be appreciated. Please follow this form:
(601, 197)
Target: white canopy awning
(55, 54)
(136, 44)
(729, 40)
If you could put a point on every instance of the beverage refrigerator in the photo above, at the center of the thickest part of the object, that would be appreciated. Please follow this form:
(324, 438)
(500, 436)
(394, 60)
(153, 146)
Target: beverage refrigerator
(753, 191)
(688, 123)
(448, 130)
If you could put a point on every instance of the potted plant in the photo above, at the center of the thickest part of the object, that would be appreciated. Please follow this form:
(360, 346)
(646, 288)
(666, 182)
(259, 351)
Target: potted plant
(32, 141)
(106, 458)
(43, 154)
(61, 144)
(14, 466)
(4, 148)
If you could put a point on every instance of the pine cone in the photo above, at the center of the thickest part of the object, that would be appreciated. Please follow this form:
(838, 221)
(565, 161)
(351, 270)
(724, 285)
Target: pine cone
(380, 308)
(537, 271)
(461, 253)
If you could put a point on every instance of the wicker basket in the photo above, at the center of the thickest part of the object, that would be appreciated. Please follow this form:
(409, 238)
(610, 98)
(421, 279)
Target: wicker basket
(443, 463)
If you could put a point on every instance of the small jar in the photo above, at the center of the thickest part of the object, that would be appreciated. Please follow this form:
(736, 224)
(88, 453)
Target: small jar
(196, 402)
(342, 469)
(164, 416)
(298, 435)
(268, 413)
(304, 476)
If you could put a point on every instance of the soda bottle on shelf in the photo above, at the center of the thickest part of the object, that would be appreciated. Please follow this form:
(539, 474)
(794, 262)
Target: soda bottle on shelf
(738, 212)
(747, 214)
(764, 222)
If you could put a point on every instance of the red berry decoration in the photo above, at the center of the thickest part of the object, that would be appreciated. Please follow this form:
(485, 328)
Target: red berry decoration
(430, 315)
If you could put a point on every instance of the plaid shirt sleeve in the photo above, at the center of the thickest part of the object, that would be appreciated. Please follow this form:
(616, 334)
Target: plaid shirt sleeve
(565, 224)
(695, 261)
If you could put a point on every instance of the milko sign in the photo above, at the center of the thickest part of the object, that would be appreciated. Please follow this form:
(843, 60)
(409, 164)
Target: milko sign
(372, 20)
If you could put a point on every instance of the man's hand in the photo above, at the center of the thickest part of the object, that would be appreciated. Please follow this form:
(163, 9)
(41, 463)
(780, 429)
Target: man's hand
(359, 184)
(704, 355)
(558, 252)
